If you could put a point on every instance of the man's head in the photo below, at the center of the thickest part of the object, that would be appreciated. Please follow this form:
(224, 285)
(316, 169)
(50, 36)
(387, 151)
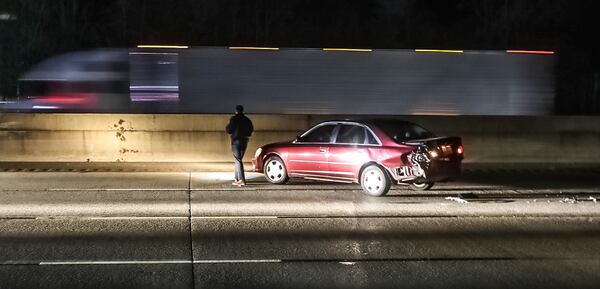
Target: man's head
(239, 109)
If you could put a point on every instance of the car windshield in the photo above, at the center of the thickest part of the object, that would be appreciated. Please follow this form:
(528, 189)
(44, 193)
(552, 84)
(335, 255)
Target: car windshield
(403, 131)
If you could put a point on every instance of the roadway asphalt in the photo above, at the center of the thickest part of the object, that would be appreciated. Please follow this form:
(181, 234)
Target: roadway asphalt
(492, 229)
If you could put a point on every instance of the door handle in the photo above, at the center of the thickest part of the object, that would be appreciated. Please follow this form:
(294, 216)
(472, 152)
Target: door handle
(323, 150)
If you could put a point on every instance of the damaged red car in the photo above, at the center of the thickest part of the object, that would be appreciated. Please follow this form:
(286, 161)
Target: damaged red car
(373, 153)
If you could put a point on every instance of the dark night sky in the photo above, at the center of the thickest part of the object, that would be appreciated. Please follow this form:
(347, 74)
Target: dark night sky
(47, 27)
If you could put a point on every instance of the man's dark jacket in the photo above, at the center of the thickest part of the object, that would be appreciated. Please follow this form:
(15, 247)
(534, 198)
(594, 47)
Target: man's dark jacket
(239, 127)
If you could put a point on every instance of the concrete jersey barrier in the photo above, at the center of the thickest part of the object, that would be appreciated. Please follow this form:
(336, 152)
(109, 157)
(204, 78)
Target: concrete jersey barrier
(201, 138)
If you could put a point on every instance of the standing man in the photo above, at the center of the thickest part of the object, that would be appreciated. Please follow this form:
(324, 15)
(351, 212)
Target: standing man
(240, 129)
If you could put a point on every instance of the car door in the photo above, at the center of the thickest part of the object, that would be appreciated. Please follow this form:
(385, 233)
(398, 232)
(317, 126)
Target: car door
(308, 156)
(350, 151)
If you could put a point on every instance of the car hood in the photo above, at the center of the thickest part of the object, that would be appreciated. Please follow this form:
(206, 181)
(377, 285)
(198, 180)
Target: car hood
(277, 144)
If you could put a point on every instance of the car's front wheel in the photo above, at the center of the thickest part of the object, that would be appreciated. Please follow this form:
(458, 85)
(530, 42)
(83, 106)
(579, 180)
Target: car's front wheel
(422, 186)
(375, 181)
(275, 171)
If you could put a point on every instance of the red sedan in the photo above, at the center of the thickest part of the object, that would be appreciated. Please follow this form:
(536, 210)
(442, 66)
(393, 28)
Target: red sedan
(374, 154)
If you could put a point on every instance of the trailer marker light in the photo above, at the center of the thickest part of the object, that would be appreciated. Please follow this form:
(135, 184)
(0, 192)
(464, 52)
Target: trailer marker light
(439, 50)
(530, 51)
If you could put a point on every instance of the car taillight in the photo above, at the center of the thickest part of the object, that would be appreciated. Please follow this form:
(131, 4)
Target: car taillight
(434, 154)
(460, 150)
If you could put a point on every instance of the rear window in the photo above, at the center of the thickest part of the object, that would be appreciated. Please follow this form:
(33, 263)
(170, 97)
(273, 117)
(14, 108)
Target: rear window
(351, 134)
(404, 131)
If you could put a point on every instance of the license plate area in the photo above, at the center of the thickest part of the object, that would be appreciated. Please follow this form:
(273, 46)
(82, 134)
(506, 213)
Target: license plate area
(409, 172)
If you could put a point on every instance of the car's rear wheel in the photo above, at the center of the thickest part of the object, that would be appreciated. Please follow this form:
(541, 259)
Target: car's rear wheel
(275, 170)
(375, 181)
(422, 186)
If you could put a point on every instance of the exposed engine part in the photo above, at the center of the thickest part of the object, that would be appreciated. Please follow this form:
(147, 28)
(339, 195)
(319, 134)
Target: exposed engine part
(419, 158)
(418, 164)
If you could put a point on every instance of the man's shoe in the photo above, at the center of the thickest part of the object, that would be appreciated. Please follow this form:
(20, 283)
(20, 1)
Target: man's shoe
(236, 183)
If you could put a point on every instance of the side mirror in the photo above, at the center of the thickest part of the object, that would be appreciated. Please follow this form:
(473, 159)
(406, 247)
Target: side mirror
(298, 139)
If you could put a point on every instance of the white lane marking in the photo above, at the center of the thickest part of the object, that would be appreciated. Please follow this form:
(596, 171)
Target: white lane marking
(235, 217)
(125, 262)
(141, 262)
(105, 189)
(238, 261)
(135, 217)
(107, 218)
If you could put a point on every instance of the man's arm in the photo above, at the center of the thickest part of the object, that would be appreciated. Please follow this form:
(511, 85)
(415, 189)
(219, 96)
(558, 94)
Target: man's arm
(229, 127)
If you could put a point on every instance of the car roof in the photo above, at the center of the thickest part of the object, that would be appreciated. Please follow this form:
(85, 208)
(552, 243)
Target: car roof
(367, 121)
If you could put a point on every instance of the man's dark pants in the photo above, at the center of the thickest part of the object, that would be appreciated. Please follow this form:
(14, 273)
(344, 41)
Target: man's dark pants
(238, 147)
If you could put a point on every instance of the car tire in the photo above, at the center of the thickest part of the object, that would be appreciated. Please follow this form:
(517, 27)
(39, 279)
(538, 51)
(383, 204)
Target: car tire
(375, 181)
(423, 186)
(275, 171)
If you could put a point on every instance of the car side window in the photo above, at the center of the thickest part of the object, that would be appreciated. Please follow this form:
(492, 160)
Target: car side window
(371, 138)
(319, 134)
(351, 134)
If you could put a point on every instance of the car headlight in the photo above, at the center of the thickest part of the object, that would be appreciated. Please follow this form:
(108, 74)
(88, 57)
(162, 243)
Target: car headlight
(257, 153)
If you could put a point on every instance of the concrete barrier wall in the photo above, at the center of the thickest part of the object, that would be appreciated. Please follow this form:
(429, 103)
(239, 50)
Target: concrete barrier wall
(201, 138)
